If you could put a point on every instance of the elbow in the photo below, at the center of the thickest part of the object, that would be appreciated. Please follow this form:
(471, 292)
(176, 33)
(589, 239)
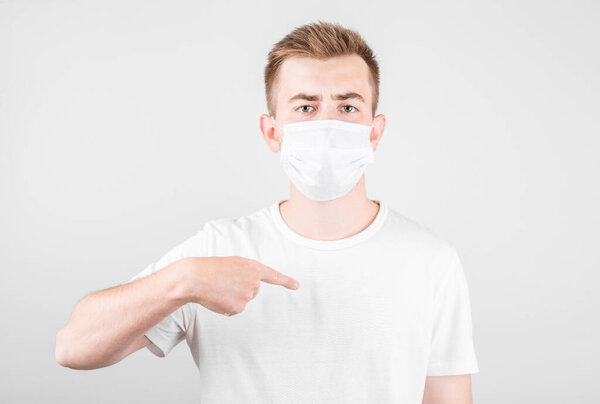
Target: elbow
(62, 360)
(63, 352)
(60, 350)
(68, 354)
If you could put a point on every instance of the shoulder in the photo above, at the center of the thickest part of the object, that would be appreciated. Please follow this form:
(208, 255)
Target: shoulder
(437, 256)
(415, 234)
(420, 241)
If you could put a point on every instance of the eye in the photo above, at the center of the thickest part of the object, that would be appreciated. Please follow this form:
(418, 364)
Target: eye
(303, 106)
(345, 106)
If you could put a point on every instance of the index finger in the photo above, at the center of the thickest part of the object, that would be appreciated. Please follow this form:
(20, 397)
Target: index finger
(269, 275)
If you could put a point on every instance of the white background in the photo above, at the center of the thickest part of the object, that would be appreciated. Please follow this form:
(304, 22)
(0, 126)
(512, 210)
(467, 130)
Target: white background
(125, 125)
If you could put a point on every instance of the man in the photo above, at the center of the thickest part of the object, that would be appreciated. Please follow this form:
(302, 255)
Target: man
(381, 313)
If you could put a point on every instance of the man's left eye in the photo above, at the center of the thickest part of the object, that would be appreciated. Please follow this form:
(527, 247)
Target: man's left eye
(348, 106)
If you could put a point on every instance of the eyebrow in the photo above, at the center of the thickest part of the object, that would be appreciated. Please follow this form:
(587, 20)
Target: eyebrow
(345, 96)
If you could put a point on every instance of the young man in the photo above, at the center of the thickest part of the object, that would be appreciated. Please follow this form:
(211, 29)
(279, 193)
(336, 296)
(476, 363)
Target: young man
(382, 311)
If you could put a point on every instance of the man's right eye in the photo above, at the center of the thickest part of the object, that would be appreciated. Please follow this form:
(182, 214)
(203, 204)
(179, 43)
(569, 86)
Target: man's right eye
(304, 106)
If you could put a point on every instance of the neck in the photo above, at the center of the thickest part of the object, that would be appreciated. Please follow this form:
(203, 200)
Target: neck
(329, 220)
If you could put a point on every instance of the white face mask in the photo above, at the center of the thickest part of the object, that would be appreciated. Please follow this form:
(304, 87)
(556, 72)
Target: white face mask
(324, 159)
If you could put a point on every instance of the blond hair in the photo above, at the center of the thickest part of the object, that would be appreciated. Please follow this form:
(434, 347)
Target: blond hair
(320, 40)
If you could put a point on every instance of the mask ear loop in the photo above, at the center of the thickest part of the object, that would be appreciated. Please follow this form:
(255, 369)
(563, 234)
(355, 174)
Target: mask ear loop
(276, 123)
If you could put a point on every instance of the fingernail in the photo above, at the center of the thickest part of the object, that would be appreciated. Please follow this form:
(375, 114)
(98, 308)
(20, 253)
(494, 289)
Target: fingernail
(296, 285)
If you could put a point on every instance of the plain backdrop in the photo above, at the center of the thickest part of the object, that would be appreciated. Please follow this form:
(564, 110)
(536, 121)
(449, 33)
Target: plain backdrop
(125, 125)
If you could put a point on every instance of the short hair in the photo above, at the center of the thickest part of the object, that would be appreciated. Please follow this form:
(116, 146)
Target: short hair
(320, 40)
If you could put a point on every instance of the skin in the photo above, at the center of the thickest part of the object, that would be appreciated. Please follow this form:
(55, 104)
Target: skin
(353, 212)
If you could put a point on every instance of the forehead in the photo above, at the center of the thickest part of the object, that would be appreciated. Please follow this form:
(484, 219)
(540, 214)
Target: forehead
(316, 76)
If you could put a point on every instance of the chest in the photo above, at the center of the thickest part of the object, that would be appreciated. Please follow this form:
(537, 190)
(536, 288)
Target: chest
(360, 308)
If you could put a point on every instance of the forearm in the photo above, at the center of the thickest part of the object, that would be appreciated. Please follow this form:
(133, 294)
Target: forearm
(105, 323)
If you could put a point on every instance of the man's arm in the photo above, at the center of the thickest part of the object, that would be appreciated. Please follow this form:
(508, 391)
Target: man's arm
(454, 389)
(110, 324)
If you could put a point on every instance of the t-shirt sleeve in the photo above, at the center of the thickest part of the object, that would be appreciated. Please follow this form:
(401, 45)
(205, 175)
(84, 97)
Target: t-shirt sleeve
(452, 351)
(172, 329)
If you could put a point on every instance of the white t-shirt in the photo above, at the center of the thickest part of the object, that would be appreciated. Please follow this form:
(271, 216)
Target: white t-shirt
(375, 314)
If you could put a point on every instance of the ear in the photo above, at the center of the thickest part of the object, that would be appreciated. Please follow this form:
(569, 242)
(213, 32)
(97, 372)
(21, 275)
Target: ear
(271, 133)
(377, 131)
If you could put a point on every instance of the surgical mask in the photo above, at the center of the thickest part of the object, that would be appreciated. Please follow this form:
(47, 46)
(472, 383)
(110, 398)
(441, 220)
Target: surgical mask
(324, 159)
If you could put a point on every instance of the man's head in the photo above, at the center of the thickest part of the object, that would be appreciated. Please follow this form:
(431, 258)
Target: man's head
(321, 41)
(321, 71)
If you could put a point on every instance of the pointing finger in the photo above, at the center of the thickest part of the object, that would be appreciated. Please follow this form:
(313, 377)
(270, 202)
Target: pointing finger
(270, 275)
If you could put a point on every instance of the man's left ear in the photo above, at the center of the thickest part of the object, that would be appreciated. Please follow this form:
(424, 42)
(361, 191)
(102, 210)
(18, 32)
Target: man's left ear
(377, 131)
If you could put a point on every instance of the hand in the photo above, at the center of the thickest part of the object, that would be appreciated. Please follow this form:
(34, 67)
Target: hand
(226, 284)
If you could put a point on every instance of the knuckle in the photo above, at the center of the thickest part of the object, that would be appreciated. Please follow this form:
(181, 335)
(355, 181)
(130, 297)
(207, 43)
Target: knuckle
(238, 308)
(255, 279)
(251, 278)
